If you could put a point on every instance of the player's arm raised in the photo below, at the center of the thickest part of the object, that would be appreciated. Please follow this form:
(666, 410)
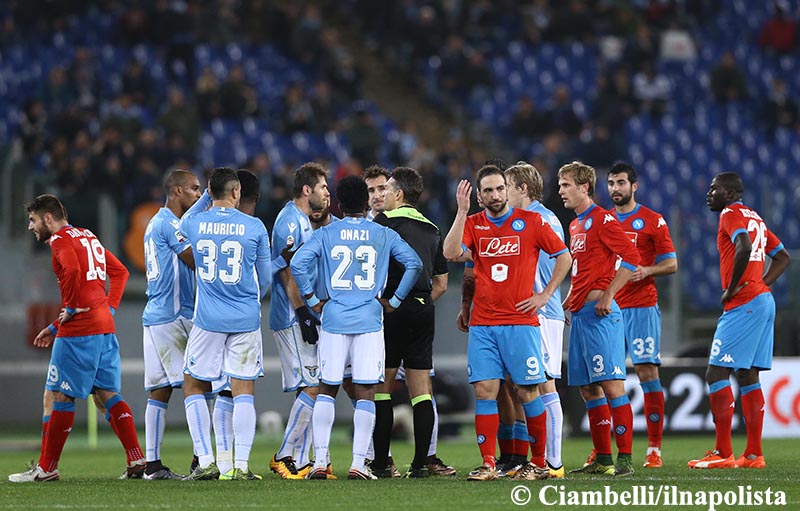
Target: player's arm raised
(452, 242)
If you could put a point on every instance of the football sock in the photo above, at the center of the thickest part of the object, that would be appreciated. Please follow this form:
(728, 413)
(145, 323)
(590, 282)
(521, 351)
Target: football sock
(423, 428)
(125, 427)
(58, 430)
(111, 423)
(536, 420)
(600, 425)
(623, 423)
(210, 401)
(381, 437)
(555, 428)
(199, 421)
(363, 425)
(435, 434)
(154, 421)
(522, 441)
(753, 412)
(244, 429)
(299, 418)
(722, 407)
(486, 423)
(45, 424)
(222, 421)
(505, 439)
(654, 411)
(322, 422)
(303, 441)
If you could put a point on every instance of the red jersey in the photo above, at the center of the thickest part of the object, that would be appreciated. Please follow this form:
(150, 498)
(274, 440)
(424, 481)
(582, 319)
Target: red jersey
(649, 233)
(505, 259)
(596, 241)
(82, 266)
(737, 218)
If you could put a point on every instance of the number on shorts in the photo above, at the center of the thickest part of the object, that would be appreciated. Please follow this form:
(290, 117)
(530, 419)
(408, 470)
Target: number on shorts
(533, 366)
(642, 346)
(599, 365)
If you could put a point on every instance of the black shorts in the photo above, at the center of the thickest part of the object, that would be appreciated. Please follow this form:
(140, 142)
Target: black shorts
(408, 333)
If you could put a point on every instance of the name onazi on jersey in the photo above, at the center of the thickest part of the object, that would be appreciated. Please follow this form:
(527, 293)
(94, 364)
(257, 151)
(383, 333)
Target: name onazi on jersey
(221, 229)
(354, 235)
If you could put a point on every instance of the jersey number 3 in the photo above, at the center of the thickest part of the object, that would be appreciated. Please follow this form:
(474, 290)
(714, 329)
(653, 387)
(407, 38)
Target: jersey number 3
(364, 254)
(231, 273)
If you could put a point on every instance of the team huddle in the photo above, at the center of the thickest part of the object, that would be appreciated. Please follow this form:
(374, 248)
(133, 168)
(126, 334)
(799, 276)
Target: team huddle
(352, 306)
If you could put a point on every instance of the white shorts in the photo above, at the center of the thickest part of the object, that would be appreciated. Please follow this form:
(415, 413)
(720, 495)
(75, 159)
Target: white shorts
(211, 355)
(299, 364)
(164, 347)
(552, 331)
(365, 352)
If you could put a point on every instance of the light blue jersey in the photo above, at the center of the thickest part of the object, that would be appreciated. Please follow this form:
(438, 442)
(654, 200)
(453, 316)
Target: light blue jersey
(170, 282)
(290, 225)
(233, 270)
(544, 269)
(354, 254)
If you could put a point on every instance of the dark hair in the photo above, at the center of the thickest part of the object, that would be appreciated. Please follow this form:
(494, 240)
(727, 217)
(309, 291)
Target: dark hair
(352, 194)
(175, 178)
(307, 174)
(47, 203)
(732, 181)
(221, 182)
(624, 168)
(497, 162)
(410, 182)
(488, 170)
(374, 171)
(250, 188)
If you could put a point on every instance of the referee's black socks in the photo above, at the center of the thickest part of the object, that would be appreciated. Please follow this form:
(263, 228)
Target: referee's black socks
(384, 422)
(423, 428)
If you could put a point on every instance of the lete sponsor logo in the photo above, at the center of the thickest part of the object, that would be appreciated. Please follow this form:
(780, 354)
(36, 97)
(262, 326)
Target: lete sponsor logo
(498, 247)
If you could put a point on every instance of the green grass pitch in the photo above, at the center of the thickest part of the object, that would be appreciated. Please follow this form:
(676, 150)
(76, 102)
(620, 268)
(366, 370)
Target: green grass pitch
(88, 479)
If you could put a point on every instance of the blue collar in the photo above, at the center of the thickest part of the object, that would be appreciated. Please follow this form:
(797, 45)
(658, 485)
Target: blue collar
(499, 220)
(586, 213)
(624, 216)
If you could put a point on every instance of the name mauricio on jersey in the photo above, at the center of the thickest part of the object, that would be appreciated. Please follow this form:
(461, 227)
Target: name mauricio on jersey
(222, 229)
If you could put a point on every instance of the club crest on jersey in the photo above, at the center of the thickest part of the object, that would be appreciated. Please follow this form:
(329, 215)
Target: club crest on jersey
(518, 224)
(498, 247)
(578, 243)
(638, 224)
(587, 224)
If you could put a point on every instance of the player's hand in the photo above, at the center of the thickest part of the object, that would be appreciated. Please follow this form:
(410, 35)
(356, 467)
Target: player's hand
(463, 193)
(288, 252)
(318, 307)
(603, 306)
(44, 339)
(640, 273)
(387, 307)
(531, 304)
(462, 320)
(65, 316)
(308, 324)
(728, 294)
(567, 317)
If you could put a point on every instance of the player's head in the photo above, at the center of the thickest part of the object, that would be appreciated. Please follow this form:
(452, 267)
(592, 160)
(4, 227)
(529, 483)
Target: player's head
(497, 162)
(404, 187)
(725, 189)
(46, 215)
(311, 183)
(492, 192)
(182, 189)
(376, 177)
(524, 181)
(622, 183)
(320, 217)
(250, 191)
(223, 184)
(576, 183)
(351, 192)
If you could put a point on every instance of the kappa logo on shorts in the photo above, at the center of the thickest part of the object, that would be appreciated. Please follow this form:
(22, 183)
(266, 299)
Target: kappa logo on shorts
(65, 386)
(727, 358)
(617, 371)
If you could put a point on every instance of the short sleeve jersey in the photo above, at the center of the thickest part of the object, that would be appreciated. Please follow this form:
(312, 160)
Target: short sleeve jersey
(506, 252)
(170, 282)
(544, 270)
(735, 219)
(596, 242)
(649, 233)
(227, 246)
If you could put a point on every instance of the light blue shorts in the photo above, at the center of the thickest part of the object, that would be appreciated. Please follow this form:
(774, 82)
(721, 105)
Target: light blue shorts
(643, 334)
(79, 364)
(514, 349)
(745, 335)
(596, 346)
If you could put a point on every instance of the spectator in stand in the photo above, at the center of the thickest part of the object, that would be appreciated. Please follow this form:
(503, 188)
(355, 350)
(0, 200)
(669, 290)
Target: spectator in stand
(32, 127)
(137, 84)
(57, 92)
(640, 49)
(527, 121)
(571, 22)
(614, 102)
(179, 118)
(237, 97)
(364, 137)
(207, 93)
(652, 89)
(560, 117)
(475, 78)
(296, 112)
(324, 108)
(779, 32)
(779, 110)
(125, 116)
(727, 80)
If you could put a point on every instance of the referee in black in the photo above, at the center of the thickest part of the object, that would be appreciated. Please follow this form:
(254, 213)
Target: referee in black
(408, 331)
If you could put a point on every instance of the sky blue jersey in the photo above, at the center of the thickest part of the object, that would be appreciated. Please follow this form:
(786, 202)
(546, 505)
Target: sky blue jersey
(544, 270)
(170, 282)
(352, 261)
(233, 270)
(290, 225)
